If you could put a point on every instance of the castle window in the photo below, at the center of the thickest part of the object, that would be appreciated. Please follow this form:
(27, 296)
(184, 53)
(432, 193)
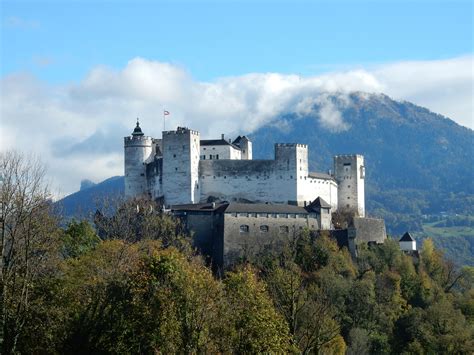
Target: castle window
(244, 228)
(264, 229)
(213, 148)
(175, 169)
(204, 148)
(348, 197)
(217, 156)
(243, 151)
(284, 229)
(347, 206)
(174, 155)
(214, 176)
(348, 186)
(291, 176)
(142, 174)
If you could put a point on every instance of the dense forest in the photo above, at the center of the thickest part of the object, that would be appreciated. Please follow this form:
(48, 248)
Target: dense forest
(132, 283)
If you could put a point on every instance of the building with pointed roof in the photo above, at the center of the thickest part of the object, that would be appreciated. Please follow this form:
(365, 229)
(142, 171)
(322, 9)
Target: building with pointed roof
(407, 242)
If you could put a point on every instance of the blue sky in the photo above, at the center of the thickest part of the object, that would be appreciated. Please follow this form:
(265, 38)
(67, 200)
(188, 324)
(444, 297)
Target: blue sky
(62, 40)
(74, 75)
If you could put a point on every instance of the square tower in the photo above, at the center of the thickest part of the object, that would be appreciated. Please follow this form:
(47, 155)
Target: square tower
(291, 161)
(349, 172)
(180, 151)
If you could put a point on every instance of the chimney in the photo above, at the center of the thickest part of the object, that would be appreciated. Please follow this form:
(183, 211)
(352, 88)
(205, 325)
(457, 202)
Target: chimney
(222, 136)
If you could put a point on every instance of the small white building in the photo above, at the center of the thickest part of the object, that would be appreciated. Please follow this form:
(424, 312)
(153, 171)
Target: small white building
(407, 242)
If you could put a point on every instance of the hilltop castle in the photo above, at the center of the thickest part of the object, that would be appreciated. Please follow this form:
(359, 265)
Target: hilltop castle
(180, 168)
(235, 206)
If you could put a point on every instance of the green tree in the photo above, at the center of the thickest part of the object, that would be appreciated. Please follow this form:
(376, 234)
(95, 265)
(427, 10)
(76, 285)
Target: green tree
(79, 238)
(258, 326)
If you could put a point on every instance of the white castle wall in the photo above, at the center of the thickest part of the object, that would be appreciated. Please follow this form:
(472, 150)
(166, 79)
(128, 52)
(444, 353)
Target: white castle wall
(255, 180)
(137, 150)
(310, 188)
(349, 172)
(283, 180)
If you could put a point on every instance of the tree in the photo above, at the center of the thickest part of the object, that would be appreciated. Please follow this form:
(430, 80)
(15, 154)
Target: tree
(140, 219)
(28, 240)
(259, 328)
(79, 238)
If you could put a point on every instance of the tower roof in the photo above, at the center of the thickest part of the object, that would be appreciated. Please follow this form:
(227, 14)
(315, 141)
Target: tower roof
(317, 204)
(407, 238)
(137, 131)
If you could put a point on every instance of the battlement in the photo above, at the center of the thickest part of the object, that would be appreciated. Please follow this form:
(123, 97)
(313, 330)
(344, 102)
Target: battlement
(291, 145)
(137, 140)
(348, 156)
(181, 130)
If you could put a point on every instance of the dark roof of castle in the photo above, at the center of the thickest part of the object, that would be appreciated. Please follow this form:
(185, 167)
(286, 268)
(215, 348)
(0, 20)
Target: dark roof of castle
(317, 204)
(407, 238)
(207, 142)
(201, 207)
(320, 176)
(239, 139)
(137, 131)
(264, 208)
(234, 207)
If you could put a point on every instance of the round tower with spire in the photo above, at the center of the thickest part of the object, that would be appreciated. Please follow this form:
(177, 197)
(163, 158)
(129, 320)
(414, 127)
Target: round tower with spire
(138, 149)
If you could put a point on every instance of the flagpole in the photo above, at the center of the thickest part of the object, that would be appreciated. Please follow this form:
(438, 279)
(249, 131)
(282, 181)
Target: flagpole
(164, 122)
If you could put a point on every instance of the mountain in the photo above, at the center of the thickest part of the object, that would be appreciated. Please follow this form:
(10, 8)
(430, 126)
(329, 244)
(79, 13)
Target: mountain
(83, 203)
(417, 162)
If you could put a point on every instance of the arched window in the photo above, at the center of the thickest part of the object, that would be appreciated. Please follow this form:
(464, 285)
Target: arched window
(264, 228)
(244, 228)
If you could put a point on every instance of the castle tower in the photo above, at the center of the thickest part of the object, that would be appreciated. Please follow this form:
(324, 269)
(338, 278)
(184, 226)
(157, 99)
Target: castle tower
(349, 172)
(138, 149)
(181, 149)
(292, 162)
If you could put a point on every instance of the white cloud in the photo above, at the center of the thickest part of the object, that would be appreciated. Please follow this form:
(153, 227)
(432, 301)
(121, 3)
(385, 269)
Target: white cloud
(78, 128)
(20, 23)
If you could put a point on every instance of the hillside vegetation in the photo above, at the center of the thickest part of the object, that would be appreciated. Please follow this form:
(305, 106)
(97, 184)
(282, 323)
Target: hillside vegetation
(137, 286)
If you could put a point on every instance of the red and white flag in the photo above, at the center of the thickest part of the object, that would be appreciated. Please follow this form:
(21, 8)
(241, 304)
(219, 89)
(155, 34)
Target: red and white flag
(165, 113)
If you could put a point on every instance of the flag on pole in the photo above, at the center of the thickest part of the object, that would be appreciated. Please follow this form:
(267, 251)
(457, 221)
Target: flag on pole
(166, 113)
